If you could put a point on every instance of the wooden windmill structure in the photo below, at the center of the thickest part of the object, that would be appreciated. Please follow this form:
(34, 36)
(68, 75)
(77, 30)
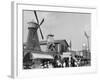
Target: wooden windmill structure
(33, 40)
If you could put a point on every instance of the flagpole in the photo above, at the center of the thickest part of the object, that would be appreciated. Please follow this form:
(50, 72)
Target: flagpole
(70, 45)
(88, 43)
(87, 39)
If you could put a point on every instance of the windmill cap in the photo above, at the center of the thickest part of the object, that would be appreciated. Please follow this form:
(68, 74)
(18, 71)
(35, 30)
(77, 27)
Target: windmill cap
(31, 22)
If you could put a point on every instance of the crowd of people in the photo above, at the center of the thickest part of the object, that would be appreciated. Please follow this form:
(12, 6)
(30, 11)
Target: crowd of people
(57, 63)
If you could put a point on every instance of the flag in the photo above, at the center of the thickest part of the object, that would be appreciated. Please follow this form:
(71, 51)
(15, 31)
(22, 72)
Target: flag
(86, 35)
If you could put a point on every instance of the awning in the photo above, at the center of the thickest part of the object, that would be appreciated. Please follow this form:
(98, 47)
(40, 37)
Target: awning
(66, 54)
(41, 56)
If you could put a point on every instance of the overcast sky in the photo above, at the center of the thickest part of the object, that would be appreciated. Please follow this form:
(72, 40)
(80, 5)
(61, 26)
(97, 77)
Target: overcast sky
(68, 26)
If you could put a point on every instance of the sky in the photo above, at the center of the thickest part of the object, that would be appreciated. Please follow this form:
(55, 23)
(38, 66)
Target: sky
(64, 25)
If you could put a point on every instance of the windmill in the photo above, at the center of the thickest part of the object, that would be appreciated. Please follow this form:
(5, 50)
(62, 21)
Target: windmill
(32, 40)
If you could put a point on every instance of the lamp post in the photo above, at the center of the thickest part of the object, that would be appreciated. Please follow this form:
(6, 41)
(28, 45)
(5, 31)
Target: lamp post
(87, 37)
(88, 47)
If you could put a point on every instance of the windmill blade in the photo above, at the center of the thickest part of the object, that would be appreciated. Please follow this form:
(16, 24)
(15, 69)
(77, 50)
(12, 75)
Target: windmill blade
(41, 33)
(41, 21)
(38, 23)
(36, 16)
(40, 28)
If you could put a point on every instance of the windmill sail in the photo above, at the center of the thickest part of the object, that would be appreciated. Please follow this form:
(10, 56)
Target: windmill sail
(40, 29)
(39, 24)
(36, 16)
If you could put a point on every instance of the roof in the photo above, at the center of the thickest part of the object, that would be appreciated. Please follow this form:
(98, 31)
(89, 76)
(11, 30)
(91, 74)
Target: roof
(56, 42)
(42, 56)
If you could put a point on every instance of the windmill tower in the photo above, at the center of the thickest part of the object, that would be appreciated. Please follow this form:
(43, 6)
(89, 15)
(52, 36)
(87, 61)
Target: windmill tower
(33, 40)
